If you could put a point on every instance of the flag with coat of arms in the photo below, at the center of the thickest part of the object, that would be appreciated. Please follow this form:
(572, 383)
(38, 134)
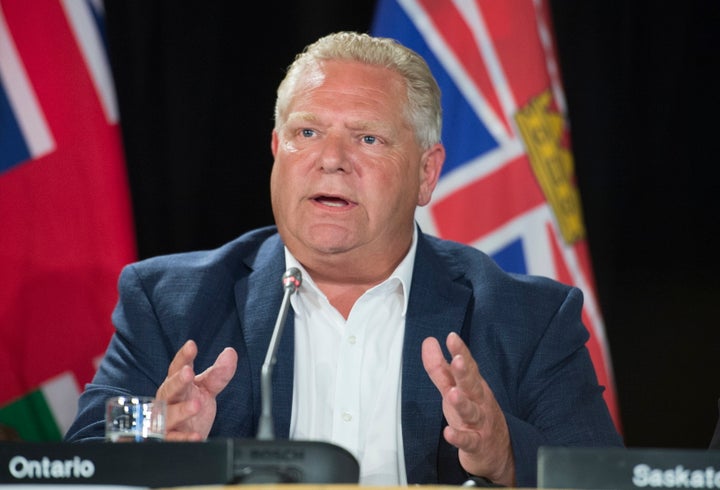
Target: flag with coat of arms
(65, 217)
(508, 185)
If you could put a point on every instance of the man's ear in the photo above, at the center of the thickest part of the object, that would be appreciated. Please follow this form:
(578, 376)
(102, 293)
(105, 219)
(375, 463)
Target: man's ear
(274, 142)
(430, 167)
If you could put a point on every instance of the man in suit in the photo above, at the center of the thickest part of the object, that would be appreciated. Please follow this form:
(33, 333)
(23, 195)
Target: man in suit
(356, 149)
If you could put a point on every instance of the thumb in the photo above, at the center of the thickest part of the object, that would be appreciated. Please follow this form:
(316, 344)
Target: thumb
(215, 378)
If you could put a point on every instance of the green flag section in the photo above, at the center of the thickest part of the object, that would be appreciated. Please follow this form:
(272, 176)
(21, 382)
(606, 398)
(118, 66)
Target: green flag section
(44, 414)
(31, 419)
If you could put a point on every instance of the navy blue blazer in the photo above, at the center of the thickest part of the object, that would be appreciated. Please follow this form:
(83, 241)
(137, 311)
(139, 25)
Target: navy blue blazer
(524, 332)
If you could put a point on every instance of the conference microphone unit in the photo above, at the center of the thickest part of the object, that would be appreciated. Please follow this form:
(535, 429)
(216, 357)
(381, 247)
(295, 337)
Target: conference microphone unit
(324, 453)
(291, 280)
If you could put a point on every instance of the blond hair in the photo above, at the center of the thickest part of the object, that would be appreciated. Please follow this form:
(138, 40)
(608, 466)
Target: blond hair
(423, 110)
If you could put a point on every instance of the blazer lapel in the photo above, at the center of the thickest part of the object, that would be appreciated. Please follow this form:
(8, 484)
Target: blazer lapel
(437, 305)
(259, 296)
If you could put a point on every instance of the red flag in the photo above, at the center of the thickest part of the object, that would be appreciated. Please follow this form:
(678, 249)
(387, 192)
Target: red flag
(65, 215)
(508, 186)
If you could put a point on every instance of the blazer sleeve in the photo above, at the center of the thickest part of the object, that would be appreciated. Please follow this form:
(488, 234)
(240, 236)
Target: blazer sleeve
(556, 399)
(135, 362)
(162, 304)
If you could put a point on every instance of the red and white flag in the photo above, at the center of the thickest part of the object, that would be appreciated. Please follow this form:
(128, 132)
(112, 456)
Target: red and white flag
(508, 186)
(65, 217)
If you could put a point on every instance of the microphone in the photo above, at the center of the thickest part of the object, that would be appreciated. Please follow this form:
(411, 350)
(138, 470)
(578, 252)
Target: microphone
(291, 280)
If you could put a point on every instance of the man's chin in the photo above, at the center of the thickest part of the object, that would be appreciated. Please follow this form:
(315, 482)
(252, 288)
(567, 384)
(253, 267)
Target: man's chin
(328, 247)
(329, 240)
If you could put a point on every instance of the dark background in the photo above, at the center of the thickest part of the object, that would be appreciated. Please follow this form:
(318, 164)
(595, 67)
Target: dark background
(196, 84)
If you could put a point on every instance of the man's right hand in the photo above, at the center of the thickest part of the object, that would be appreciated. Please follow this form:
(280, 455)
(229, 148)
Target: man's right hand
(190, 398)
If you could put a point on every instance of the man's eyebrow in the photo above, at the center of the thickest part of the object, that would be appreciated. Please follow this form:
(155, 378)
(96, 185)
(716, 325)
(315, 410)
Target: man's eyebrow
(372, 126)
(302, 117)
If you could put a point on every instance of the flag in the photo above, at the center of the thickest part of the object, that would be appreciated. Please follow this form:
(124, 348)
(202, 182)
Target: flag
(65, 218)
(508, 185)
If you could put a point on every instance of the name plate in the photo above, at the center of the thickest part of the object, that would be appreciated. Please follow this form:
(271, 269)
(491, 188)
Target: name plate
(168, 464)
(631, 468)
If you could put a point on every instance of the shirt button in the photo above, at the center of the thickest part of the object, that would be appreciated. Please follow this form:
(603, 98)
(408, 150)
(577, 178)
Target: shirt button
(352, 339)
(346, 416)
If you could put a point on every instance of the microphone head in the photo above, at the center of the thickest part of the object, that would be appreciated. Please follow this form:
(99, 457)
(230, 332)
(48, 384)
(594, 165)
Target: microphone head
(292, 279)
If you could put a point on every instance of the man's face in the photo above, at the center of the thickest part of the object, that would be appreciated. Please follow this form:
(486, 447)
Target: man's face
(348, 172)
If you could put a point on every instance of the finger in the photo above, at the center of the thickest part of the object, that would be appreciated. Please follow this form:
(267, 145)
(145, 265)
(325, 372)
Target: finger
(465, 440)
(463, 367)
(215, 378)
(176, 387)
(456, 346)
(185, 356)
(180, 374)
(180, 415)
(461, 411)
(436, 366)
(465, 402)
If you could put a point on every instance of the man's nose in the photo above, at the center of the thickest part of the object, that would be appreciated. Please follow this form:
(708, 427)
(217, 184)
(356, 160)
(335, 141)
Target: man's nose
(335, 155)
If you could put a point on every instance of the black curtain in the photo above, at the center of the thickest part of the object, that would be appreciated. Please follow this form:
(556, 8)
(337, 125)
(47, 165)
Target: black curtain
(196, 84)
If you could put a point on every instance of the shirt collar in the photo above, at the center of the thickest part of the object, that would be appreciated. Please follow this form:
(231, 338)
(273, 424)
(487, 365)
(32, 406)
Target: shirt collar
(402, 273)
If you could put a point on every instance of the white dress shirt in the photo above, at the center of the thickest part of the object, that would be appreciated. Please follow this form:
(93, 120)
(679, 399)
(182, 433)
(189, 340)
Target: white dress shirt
(348, 372)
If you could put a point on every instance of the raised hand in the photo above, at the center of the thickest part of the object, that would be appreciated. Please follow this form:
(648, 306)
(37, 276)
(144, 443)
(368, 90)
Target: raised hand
(190, 398)
(476, 424)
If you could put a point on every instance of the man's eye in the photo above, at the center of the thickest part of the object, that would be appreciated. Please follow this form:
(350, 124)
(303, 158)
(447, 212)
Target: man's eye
(369, 139)
(307, 133)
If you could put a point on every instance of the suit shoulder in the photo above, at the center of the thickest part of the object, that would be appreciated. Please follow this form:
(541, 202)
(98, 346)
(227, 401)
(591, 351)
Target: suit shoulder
(230, 259)
(476, 268)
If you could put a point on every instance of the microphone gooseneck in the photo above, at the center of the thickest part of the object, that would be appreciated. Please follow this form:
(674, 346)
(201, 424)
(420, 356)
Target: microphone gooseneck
(291, 280)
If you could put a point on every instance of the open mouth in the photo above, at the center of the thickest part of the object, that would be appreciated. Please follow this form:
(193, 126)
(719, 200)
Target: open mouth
(331, 201)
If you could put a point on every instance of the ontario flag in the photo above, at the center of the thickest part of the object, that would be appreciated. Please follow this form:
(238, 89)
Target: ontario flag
(508, 185)
(65, 217)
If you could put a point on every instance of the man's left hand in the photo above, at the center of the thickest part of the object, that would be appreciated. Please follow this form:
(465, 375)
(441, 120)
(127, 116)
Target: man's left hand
(476, 424)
